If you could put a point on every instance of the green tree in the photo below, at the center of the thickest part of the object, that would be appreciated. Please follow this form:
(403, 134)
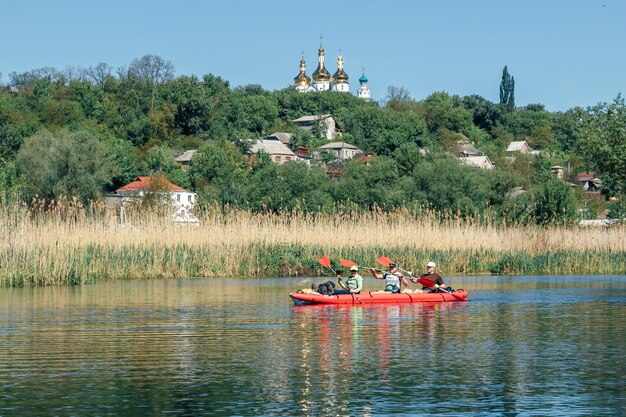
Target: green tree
(219, 172)
(604, 147)
(160, 160)
(370, 186)
(17, 122)
(273, 187)
(567, 127)
(191, 103)
(382, 131)
(10, 182)
(151, 71)
(485, 114)
(554, 203)
(73, 164)
(507, 90)
(398, 98)
(448, 185)
(440, 110)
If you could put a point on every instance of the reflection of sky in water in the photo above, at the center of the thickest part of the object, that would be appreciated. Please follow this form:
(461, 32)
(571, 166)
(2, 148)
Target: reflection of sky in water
(521, 345)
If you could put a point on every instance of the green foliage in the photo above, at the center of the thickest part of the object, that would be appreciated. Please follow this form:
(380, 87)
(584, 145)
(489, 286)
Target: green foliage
(440, 110)
(251, 115)
(382, 131)
(73, 164)
(10, 182)
(507, 90)
(554, 203)
(273, 187)
(370, 186)
(617, 209)
(161, 160)
(522, 122)
(485, 114)
(218, 173)
(448, 185)
(604, 147)
(16, 123)
(142, 117)
(191, 103)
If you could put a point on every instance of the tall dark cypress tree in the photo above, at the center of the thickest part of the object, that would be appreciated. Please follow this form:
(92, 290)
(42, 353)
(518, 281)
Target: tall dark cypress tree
(507, 90)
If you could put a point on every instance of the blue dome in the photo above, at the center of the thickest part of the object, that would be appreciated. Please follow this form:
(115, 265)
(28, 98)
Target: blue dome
(363, 79)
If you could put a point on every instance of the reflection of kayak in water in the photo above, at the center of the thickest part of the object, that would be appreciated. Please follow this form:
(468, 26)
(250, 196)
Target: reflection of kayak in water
(301, 298)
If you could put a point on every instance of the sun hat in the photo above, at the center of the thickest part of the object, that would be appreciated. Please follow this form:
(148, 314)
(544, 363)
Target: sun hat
(431, 264)
(354, 268)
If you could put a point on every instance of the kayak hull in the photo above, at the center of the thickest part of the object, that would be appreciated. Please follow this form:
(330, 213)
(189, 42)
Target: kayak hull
(377, 298)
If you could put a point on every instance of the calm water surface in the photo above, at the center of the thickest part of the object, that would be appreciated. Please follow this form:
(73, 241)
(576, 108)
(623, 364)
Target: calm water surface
(522, 346)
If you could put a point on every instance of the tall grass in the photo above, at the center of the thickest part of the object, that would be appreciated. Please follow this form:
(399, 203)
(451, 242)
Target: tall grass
(64, 242)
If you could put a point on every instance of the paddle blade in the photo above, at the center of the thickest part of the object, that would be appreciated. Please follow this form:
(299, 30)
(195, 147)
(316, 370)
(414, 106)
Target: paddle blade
(426, 282)
(346, 262)
(324, 261)
(384, 261)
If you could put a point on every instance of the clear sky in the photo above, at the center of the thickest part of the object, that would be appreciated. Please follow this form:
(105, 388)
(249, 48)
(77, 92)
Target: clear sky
(562, 53)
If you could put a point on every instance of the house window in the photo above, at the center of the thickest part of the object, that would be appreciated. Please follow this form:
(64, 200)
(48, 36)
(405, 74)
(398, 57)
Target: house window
(287, 159)
(189, 198)
(177, 197)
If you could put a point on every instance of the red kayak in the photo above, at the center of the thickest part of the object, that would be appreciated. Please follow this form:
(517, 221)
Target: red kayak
(300, 298)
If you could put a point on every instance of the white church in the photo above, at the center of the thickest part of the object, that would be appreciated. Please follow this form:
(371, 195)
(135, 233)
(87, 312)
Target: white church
(321, 80)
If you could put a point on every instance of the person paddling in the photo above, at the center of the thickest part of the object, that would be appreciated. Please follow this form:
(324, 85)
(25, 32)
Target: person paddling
(393, 279)
(433, 276)
(353, 285)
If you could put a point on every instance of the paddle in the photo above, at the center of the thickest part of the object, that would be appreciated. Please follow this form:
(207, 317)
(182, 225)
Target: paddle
(384, 261)
(325, 262)
(430, 283)
(348, 263)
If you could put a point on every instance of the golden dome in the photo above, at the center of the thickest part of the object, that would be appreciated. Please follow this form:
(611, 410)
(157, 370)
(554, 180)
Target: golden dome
(340, 76)
(321, 74)
(302, 78)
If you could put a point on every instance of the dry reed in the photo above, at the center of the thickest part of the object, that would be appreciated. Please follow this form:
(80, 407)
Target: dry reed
(65, 243)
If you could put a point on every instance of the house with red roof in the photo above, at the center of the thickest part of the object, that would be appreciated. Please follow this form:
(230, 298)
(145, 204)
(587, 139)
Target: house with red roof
(142, 185)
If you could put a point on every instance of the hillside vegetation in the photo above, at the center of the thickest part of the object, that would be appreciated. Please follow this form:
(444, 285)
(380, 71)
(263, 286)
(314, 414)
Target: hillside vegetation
(85, 132)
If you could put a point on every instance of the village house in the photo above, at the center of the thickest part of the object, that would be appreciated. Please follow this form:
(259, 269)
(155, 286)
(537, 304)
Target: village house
(558, 171)
(284, 137)
(467, 149)
(278, 152)
(481, 161)
(323, 126)
(518, 146)
(339, 150)
(138, 189)
(185, 159)
(587, 181)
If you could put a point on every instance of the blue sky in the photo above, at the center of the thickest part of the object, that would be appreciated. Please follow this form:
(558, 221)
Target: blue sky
(562, 53)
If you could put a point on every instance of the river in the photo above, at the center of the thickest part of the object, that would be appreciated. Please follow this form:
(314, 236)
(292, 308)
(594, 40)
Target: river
(522, 346)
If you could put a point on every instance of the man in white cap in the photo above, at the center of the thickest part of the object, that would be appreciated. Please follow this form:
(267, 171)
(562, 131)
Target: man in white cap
(353, 285)
(433, 276)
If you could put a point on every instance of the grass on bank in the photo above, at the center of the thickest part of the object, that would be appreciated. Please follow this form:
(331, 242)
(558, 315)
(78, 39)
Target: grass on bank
(66, 243)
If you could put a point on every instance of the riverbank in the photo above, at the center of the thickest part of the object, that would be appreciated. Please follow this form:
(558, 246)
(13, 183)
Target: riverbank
(89, 246)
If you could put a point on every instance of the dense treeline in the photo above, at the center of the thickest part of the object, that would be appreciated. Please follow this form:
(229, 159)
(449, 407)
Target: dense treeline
(85, 132)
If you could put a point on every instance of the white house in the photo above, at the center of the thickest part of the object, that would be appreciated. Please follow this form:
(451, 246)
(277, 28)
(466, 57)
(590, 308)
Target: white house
(518, 146)
(340, 150)
(275, 149)
(324, 125)
(142, 185)
(477, 161)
